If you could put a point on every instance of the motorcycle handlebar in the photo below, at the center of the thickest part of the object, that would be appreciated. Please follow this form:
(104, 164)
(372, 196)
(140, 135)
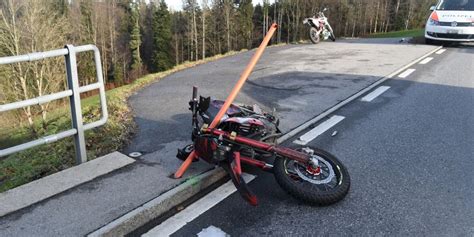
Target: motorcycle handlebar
(195, 92)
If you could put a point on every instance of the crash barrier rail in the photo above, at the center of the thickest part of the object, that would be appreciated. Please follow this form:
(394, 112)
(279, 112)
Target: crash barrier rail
(74, 91)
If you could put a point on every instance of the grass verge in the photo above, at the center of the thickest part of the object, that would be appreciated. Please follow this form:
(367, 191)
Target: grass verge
(399, 34)
(26, 166)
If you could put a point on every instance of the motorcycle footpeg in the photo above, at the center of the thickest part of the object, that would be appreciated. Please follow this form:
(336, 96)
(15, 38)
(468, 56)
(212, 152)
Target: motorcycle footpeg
(184, 153)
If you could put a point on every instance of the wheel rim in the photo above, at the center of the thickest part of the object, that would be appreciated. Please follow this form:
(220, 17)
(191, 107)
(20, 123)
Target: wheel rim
(331, 35)
(314, 34)
(328, 178)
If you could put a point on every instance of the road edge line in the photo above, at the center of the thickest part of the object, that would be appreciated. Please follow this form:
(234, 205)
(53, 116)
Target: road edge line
(352, 98)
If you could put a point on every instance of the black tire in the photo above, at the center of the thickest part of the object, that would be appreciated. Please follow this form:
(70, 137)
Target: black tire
(314, 36)
(312, 193)
(331, 36)
(431, 42)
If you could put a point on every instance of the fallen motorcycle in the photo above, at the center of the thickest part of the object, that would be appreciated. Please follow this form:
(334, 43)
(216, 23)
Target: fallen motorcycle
(227, 135)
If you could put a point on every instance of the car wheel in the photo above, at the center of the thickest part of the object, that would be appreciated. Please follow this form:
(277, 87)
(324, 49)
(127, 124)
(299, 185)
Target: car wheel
(431, 41)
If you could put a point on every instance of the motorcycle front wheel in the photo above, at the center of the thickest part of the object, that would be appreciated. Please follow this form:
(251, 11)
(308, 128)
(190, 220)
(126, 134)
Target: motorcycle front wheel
(324, 186)
(331, 36)
(314, 35)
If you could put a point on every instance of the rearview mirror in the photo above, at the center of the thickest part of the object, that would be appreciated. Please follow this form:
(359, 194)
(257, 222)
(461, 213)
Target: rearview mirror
(432, 8)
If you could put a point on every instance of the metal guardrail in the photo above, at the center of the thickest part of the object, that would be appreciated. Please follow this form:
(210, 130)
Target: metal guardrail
(73, 93)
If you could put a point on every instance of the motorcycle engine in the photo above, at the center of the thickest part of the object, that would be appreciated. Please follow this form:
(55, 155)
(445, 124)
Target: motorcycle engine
(255, 128)
(212, 150)
(255, 125)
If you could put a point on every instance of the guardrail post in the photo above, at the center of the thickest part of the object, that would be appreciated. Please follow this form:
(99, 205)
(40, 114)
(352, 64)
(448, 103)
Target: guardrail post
(75, 103)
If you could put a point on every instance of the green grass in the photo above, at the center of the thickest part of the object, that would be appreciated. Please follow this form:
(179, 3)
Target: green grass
(34, 163)
(399, 34)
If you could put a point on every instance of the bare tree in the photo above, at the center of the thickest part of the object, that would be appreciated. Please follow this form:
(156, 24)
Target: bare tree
(34, 30)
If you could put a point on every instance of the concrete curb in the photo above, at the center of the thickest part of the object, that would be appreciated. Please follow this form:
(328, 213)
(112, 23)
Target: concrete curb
(41, 189)
(160, 205)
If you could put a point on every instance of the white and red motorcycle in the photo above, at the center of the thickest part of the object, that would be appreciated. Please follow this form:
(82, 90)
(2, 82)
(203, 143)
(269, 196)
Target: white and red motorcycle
(320, 28)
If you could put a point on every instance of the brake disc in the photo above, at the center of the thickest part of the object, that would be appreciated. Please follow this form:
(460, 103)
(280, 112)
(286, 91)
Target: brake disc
(311, 178)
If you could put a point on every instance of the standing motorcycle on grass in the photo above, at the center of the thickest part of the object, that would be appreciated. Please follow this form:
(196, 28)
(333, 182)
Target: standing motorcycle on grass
(320, 27)
(228, 135)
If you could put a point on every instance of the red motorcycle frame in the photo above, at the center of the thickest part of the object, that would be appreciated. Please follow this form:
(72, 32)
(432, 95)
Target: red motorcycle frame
(222, 148)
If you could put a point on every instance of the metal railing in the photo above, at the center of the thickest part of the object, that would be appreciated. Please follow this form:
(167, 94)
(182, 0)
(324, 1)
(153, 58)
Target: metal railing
(73, 92)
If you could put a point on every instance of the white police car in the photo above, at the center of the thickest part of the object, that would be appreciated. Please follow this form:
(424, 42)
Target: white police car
(451, 20)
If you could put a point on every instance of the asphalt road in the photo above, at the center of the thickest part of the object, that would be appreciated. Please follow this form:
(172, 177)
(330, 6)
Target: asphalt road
(299, 81)
(410, 154)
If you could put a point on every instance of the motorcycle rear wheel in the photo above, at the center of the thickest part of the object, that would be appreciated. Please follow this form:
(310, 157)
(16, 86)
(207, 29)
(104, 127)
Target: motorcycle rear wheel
(314, 36)
(329, 186)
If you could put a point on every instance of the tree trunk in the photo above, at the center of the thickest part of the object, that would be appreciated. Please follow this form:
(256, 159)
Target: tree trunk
(196, 48)
(203, 34)
(227, 24)
(176, 48)
(377, 17)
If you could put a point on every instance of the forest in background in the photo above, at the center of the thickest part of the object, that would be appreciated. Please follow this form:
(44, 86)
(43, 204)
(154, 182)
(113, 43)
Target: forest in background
(137, 37)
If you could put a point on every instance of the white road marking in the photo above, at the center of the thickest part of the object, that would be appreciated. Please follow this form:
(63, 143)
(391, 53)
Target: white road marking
(426, 60)
(194, 210)
(441, 51)
(374, 94)
(407, 73)
(212, 231)
(353, 97)
(320, 129)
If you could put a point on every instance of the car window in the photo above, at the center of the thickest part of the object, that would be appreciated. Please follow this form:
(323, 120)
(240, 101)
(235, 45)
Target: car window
(456, 5)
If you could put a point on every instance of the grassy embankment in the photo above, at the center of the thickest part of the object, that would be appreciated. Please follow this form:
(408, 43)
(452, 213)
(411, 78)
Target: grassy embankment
(399, 34)
(26, 166)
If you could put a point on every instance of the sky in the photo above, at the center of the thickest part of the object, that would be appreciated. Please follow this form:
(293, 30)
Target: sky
(177, 4)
